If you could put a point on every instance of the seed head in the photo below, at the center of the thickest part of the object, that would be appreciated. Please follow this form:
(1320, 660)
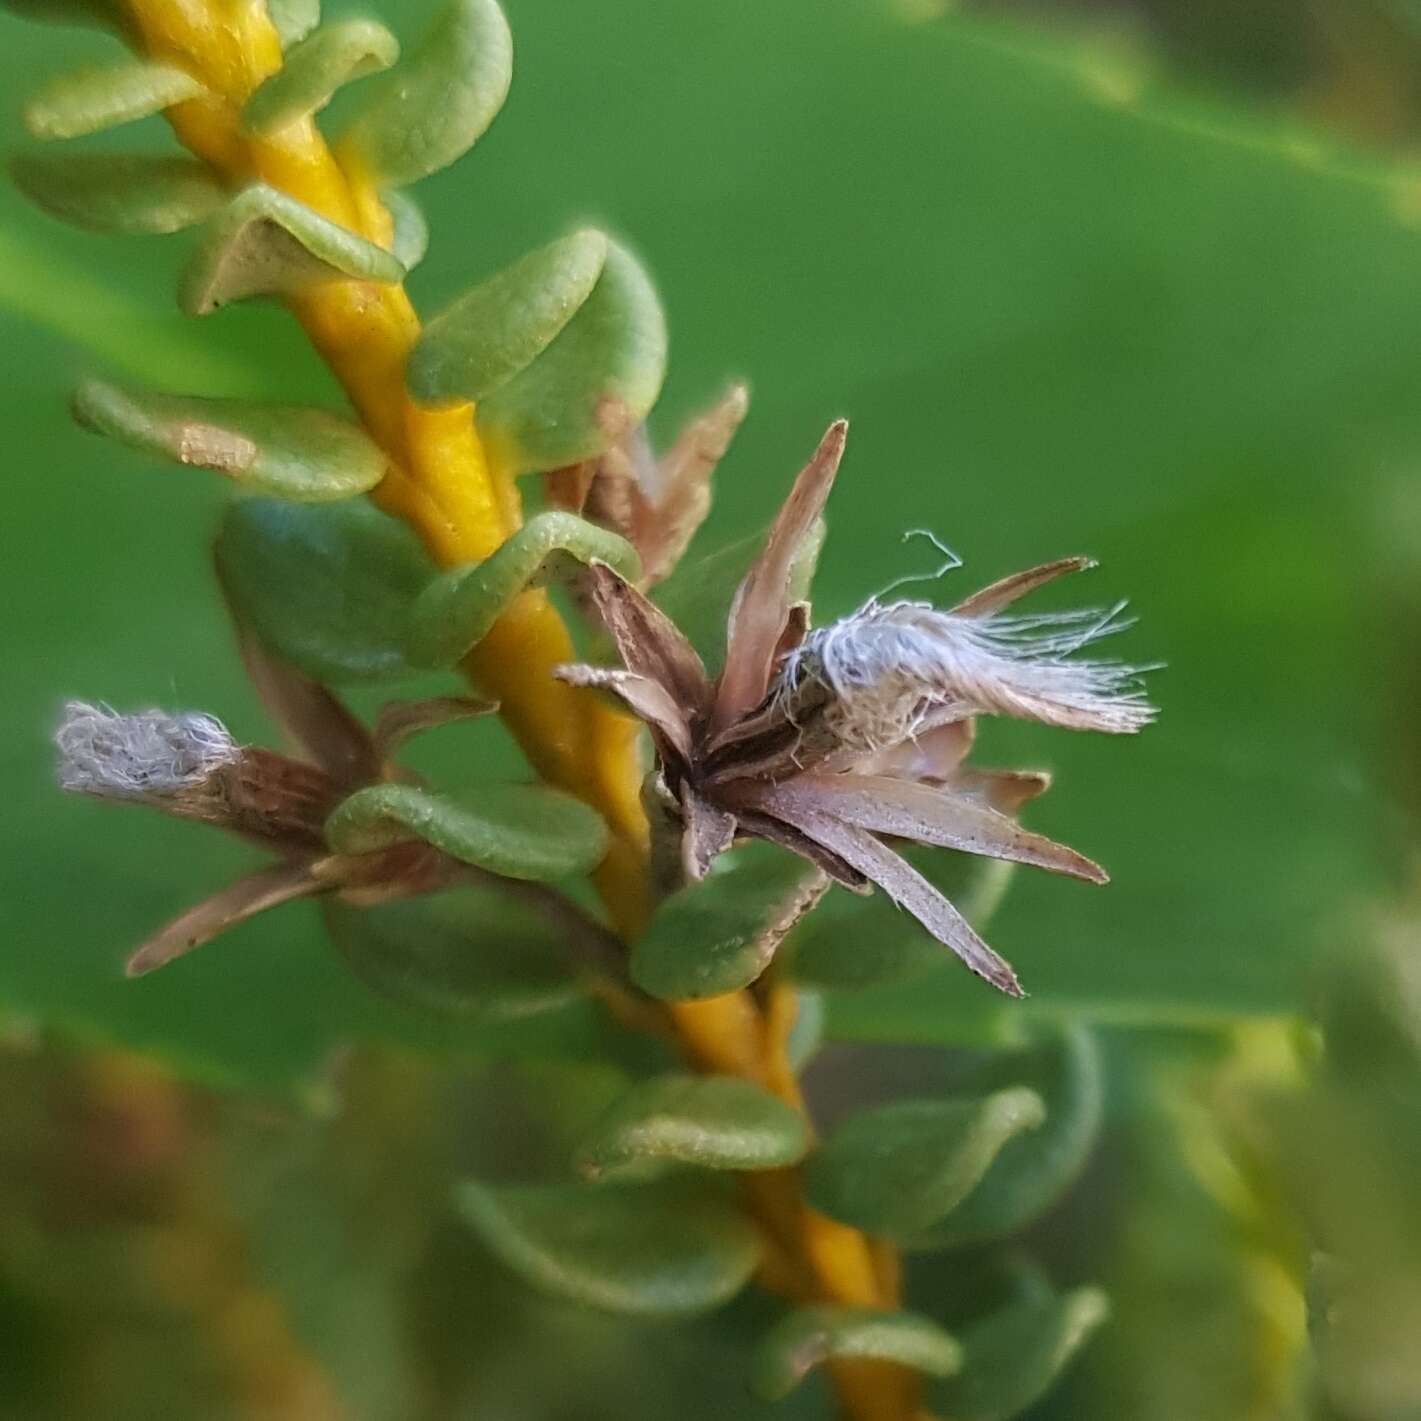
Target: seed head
(148, 754)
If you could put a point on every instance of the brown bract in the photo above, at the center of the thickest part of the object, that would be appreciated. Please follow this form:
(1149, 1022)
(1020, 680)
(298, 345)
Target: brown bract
(835, 742)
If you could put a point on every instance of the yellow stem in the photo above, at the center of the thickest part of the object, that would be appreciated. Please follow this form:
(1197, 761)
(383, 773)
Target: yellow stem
(463, 505)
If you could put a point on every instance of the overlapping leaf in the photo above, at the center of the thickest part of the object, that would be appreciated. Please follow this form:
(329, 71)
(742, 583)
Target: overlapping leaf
(115, 192)
(104, 96)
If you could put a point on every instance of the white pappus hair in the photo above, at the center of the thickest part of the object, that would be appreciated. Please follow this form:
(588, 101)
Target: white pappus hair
(139, 756)
(893, 669)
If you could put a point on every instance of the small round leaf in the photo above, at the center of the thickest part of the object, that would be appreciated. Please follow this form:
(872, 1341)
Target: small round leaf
(502, 325)
(720, 934)
(457, 611)
(438, 103)
(1034, 1170)
(650, 1249)
(900, 1169)
(320, 64)
(294, 19)
(264, 243)
(715, 1122)
(327, 587)
(516, 831)
(596, 381)
(101, 96)
(115, 192)
(1012, 1359)
(308, 455)
(472, 954)
(811, 1336)
(411, 235)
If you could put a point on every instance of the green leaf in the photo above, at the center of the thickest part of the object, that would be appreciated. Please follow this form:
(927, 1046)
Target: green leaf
(456, 612)
(264, 243)
(1013, 1358)
(308, 455)
(1032, 1172)
(714, 1122)
(807, 1034)
(411, 238)
(102, 96)
(294, 19)
(719, 935)
(597, 380)
(436, 106)
(329, 588)
(116, 192)
(315, 68)
(64, 12)
(698, 594)
(652, 1249)
(517, 831)
(900, 1169)
(501, 326)
(810, 1336)
(473, 954)
(854, 942)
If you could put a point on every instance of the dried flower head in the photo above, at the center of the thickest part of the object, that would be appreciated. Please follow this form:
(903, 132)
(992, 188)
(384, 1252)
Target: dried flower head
(188, 764)
(835, 740)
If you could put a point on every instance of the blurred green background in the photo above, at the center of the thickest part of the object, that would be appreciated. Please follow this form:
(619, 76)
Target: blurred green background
(1141, 281)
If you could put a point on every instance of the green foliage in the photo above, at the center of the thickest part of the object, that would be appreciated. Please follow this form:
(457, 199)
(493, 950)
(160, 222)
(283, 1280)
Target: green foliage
(329, 588)
(440, 101)
(315, 68)
(902, 1168)
(809, 1337)
(115, 192)
(97, 97)
(459, 608)
(306, 455)
(1013, 1357)
(411, 234)
(663, 1249)
(1033, 1170)
(516, 831)
(719, 934)
(294, 19)
(264, 243)
(502, 325)
(713, 1122)
(598, 379)
(475, 954)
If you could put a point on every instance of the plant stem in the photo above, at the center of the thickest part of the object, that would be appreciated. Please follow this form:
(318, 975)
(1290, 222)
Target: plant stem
(463, 506)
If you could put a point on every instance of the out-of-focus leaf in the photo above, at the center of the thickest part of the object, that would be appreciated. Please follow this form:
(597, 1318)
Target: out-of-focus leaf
(265, 243)
(715, 1122)
(809, 1337)
(307, 455)
(1013, 1358)
(656, 1249)
(854, 942)
(473, 954)
(595, 382)
(902, 1168)
(457, 610)
(1031, 1172)
(116, 192)
(104, 96)
(65, 12)
(329, 588)
(719, 935)
(807, 1033)
(517, 831)
(441, 99)
(411, 237)
(294, 19)
(503, 324)
(327, 59)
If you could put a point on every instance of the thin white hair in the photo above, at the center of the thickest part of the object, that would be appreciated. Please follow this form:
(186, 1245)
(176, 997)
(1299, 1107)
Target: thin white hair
(896, 669)
(140, 755)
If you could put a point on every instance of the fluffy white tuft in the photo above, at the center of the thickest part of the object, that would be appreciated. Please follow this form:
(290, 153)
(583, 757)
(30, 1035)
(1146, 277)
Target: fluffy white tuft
(138, 756)
(895, 669)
